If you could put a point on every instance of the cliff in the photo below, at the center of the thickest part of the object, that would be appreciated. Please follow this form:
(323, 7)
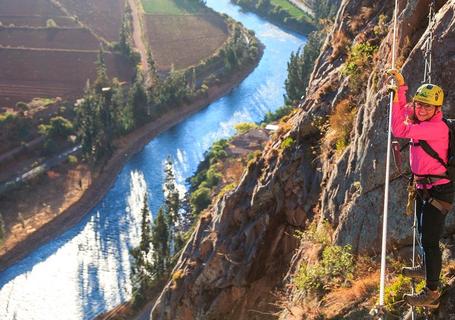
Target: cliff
(243, 249)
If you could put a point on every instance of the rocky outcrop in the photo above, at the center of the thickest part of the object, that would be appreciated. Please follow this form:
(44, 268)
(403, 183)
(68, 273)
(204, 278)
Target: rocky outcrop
(242, 247)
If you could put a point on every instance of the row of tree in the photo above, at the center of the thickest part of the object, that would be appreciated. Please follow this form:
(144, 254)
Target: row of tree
(125, 43)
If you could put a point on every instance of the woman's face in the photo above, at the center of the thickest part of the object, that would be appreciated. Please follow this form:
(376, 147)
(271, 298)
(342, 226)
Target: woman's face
(424, 111)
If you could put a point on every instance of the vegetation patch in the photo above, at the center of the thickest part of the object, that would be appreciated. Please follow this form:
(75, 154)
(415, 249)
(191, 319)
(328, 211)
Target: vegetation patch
(359, 64)
(340, 124)
(335, 267)
(277, 114)
(170, 7)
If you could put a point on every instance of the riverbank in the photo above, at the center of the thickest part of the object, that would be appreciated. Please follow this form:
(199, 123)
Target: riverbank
(280, 16)
(126, 148)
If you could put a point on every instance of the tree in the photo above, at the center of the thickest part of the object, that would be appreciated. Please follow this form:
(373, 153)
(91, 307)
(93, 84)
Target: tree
(2, 229)
(102, 80)
(142, 266)
(171, 193)
(58, 127)
(145, 227)
(50, 23)
(160, 243)
(152, 67)
(139, 102)
(300, 66)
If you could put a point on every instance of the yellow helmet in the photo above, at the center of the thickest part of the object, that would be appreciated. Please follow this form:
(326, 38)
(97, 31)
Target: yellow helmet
(430, 94)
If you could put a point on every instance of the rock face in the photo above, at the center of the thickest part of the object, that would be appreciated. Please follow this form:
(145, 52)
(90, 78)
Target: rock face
(242, 247)
(357, 212)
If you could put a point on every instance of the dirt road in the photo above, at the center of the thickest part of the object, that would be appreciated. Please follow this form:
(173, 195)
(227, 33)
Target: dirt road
(138, 33)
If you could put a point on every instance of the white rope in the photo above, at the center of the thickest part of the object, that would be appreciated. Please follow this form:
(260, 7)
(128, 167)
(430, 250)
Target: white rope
(387, 172)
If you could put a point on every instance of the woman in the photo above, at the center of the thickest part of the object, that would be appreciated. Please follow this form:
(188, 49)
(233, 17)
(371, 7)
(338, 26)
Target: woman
(421, 121)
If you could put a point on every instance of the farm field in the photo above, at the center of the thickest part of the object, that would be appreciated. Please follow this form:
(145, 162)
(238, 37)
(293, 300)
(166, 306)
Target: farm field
(182, 36)
(103, 17)
(48, 73)
(55, 38)
(167, 7)
(57, 61)
(37, 21)
(29, 8)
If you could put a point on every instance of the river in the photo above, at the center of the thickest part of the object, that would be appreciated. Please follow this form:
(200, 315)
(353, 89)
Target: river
(85, 271)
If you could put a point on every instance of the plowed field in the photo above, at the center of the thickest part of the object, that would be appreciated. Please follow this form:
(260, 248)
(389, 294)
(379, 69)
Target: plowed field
(47, 73)
(104, 17)
(36, 21)
(29, 8)
(55, 38)
(184, 40)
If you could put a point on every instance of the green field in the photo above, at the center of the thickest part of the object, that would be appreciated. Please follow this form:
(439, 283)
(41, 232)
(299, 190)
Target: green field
(293, 10)
(167, 7)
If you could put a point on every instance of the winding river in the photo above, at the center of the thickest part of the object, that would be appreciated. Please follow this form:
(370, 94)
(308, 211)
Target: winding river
(85, 271)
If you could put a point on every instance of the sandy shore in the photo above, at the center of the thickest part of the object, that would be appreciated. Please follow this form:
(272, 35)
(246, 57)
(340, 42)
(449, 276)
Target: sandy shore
(127, 147)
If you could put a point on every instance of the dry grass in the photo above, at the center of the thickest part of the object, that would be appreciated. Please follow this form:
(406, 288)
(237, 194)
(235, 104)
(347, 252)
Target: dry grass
(342, 299)
(365, 13)
(340, 43)
(340, 126)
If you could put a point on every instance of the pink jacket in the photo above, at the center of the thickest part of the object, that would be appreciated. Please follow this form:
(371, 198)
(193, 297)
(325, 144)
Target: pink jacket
(434, 131)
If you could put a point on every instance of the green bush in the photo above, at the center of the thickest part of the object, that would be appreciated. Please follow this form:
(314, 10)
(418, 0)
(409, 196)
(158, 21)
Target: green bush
(22, 106)
(213, 177)
(58, 127)
(277, 114)
(72, 159)
(50, 23)
(335, 267)
(358, 65)
(244, 127)
(200, 199)
(287, 143)
(317, 233)
(7, 117)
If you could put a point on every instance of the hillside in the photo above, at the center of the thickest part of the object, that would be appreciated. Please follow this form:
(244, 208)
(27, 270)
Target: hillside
(326, 164)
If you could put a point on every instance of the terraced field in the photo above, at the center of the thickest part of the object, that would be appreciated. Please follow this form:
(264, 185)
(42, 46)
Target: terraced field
(54, 38)
(51, 62)
(29, 8)
(182, 36)
(37, 21)
(103, 17)
(49, 73)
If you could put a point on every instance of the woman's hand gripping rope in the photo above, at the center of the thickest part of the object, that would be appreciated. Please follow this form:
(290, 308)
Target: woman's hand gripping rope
(399, 81)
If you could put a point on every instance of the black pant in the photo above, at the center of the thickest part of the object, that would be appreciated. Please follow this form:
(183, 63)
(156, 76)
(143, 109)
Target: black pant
(431, 226)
